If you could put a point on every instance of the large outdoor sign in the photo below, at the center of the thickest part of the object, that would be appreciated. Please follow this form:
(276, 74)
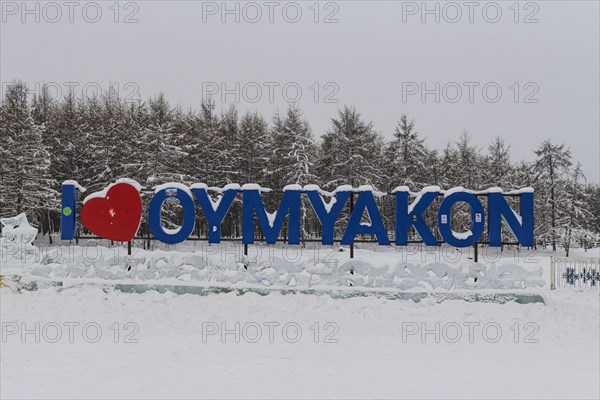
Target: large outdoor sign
(116, 213)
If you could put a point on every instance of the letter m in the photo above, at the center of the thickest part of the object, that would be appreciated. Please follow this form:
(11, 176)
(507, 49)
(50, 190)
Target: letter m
(271, 224)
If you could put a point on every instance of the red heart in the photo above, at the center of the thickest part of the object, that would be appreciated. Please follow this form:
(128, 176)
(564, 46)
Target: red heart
(114, 217)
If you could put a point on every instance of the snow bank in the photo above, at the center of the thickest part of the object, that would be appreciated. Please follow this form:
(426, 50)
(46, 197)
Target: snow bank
(286, 267)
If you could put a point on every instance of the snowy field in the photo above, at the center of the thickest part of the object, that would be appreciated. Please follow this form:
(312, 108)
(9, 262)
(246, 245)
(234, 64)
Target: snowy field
(94, 341)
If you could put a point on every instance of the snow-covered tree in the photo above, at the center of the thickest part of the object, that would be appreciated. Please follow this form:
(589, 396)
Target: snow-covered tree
(593, 196)
(133, 130)
(69, 149)
(350, 151)
(293, 149)
(551, 166)
(575, 221)
(25, 181)
(407, 164)
(498, 166)
(159, 144)
(253, 149)
(467, 162)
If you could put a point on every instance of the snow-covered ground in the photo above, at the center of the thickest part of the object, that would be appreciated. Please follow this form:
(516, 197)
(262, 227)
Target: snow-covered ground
(94, 341)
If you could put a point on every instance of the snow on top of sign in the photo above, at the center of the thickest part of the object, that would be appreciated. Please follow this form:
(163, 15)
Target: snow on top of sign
(229, 186)
(459, 189)
(254, 186)
(527, 189)
(311, 188)
(131, 182)
(102, 193)
(494, 189)
(420, 193)
(74, 183)
(401, 189)
(204, 186)
(201, 186)
(173, 185)
(294, 186)
(369, 188)
(343, 188)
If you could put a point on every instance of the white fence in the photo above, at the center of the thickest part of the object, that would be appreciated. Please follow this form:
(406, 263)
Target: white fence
(575, 272)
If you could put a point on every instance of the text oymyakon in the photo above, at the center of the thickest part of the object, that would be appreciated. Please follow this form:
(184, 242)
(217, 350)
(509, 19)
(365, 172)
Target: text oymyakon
(116, 212)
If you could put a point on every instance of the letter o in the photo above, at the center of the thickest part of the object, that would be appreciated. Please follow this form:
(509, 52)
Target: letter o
(298, 12)
(97, 11)
(256, 87)
(456, 87)
(258, 12)
(498, 330)
(256, 337)
(457, 329)
(445, 219)
(154, 216)
(87, 337)
(486, 97)
(57, 329)
(458, 12)
(296, 327)
(57, 12)
(497, 9)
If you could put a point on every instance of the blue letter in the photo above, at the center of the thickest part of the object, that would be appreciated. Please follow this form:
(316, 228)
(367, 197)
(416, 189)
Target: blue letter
(520, 227)
(326, 217)
(154, 216)
(365, 201)
(406, 218)
(271, 228)
(68, 212)
(214, 216)
(445, 220)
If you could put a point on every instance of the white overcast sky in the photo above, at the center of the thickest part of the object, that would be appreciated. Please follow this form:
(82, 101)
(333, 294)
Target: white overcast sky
(371, 58)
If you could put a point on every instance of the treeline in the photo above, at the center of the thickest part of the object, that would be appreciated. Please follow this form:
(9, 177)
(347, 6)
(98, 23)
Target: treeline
(97, 140)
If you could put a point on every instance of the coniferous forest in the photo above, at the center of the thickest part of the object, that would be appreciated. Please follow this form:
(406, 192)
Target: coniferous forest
(98, 140)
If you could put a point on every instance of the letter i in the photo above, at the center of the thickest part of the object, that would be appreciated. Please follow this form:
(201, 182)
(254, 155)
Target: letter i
(68, 212)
